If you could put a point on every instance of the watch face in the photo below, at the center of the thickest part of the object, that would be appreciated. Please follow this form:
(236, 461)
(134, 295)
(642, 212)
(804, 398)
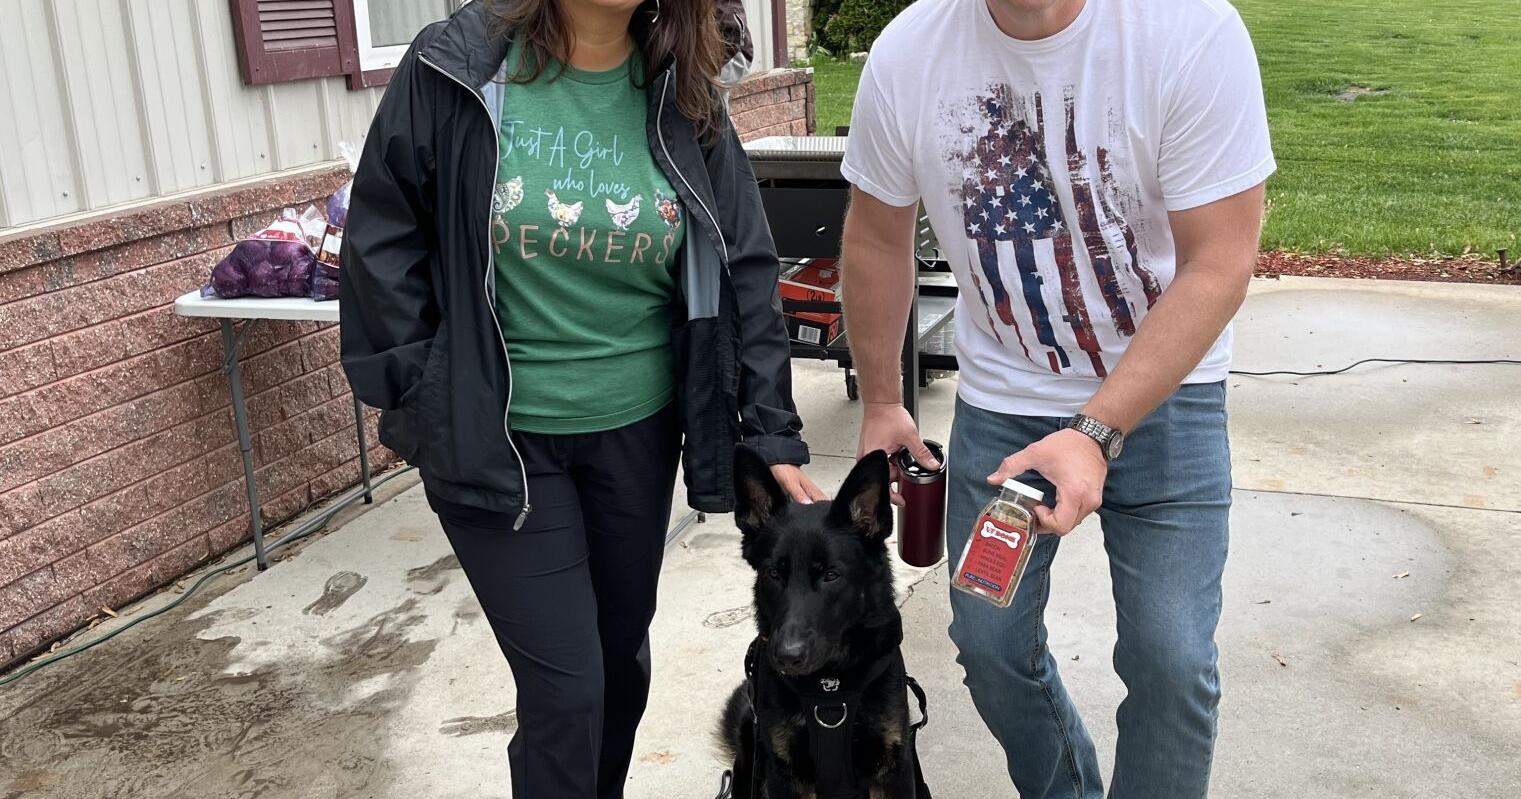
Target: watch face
(1116, 444)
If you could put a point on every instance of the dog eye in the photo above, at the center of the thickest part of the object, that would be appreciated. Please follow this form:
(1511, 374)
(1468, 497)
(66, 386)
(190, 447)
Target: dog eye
(773, 573)
(831, 575)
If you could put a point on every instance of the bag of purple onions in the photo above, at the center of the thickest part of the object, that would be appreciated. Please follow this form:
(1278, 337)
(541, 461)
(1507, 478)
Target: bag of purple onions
(274, 262)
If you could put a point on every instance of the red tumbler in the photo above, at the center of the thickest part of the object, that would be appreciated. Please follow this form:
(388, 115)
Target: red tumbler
(921, 522)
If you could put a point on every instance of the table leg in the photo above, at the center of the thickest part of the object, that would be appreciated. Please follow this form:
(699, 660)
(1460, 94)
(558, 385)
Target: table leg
(911, 360)
(231, 344)
(364, 450)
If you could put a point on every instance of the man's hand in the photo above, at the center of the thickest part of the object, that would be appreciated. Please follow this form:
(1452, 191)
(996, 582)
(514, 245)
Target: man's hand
(796, 484)
(889, 427)
(1074, 464)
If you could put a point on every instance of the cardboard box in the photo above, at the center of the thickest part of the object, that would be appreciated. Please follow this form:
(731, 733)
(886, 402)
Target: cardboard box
(813, 280)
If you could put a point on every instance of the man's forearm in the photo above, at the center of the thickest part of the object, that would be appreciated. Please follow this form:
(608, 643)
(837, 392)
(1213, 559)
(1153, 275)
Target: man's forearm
(1172, 339)
(878, 288)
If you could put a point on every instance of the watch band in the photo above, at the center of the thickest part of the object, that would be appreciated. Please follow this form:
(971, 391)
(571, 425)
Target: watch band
(1094, 429)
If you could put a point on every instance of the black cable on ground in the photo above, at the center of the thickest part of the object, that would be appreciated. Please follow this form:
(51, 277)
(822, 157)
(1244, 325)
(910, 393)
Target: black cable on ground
(308, 527)
(1350, 367)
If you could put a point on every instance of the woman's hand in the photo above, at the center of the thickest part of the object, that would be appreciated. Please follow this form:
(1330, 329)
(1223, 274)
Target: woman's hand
(796, 484)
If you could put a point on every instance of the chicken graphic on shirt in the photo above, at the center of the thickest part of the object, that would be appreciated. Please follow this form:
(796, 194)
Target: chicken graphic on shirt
(668, 209)
(625, 214)
(565, 214)
(507, 196)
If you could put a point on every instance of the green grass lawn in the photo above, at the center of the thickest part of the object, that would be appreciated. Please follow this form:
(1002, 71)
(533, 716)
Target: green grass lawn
(1427, 162)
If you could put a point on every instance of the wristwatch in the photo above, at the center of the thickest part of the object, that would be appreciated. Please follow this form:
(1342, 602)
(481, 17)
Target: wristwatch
(1110, 440)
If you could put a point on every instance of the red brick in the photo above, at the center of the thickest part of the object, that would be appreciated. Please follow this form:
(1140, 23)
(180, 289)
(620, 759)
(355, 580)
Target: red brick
(30, 595)
(108, 342)
(266, 198)
(286, 506)
(132, 464)
(144, 578)
(110, 230)
(56, 449)
(22, 250)
(32, 635)
(273, 368)
(770, 115)
(229, 534)
(82, 395)
(320, 348)
(21, 284)
(26, 368)
(20, 510)
(289, 399)
(59, 312)
(101, 264)
(292, 435)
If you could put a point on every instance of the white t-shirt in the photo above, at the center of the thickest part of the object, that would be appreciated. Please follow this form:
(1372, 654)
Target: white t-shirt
(1048, 169)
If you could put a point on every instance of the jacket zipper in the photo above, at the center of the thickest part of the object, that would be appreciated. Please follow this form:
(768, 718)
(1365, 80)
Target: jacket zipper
(660, 134)
(491, 299)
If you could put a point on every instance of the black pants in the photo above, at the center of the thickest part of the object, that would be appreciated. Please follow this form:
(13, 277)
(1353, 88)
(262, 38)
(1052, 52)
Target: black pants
(571, 595)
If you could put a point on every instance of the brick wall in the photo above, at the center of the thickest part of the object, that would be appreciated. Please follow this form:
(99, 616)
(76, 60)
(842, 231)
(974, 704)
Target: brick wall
(775, 103)
(119, 465)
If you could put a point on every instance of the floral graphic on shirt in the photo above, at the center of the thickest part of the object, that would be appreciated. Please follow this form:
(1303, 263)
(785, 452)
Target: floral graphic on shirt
(669, 209)
(1016, 220)
(565, 214)
(624, 214)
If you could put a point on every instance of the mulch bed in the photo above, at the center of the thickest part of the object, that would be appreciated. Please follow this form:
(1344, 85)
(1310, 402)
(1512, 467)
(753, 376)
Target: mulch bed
(1466, 269)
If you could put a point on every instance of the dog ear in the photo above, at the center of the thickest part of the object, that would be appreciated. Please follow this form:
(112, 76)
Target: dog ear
(757, 495)
(864, 503)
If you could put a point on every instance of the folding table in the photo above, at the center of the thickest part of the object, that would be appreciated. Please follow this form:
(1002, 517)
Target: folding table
(251, 310)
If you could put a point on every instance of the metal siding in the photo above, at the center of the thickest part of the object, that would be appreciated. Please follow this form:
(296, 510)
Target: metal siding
(36, 164)
(102, 99)
(133, 99)
(758, 17)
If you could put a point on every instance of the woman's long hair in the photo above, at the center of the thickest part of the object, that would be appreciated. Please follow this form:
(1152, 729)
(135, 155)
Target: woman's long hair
(686, 30)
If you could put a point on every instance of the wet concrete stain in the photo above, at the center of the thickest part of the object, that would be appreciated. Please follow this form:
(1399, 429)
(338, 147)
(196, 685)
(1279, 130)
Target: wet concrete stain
(475, 725)
(337, 591)
(718, 620)
(157, 714)
(430, 579)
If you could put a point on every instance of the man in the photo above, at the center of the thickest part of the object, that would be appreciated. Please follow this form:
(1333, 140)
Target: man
(1093, 171)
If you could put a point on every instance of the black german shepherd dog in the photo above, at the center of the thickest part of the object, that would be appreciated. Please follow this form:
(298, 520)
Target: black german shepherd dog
(824, 711)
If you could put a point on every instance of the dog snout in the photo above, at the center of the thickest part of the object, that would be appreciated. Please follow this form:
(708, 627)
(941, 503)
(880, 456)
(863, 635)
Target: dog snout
(790, 653)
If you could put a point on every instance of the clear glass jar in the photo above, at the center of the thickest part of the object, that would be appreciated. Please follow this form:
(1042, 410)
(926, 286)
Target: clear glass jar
(999, 548)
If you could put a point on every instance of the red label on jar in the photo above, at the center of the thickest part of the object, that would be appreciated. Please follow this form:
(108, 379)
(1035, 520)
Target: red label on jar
(993, 556)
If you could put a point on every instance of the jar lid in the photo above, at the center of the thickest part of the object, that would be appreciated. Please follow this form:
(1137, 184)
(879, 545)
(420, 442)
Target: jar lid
(1024, 490)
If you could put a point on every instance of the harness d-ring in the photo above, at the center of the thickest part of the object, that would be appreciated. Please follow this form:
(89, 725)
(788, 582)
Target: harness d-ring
(844, 714)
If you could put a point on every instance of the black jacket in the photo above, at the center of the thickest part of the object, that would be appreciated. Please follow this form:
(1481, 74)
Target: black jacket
(419, 326)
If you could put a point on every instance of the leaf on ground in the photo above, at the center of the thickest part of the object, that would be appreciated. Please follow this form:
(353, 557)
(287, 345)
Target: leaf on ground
(1401, 575)
(1472, 420)
(1264, 602)
(109, 612)
(1281, 661)
(1417, 616)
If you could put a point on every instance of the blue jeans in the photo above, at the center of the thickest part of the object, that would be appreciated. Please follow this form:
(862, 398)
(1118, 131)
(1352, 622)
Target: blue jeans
(1165, 517)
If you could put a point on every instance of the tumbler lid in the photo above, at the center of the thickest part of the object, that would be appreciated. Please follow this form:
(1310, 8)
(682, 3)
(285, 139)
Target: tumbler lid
(913, 472)
(1024, 490)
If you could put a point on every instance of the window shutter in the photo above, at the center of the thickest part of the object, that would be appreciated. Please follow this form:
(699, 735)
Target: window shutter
(285, 40)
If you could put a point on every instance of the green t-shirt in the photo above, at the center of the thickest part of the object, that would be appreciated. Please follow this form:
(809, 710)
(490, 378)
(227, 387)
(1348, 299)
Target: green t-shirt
(585, 229)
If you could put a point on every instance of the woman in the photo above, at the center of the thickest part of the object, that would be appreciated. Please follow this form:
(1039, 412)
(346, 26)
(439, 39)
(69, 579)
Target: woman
(558, 280)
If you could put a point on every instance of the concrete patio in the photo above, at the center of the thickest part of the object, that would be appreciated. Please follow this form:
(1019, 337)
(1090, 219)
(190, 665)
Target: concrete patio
(361, 666)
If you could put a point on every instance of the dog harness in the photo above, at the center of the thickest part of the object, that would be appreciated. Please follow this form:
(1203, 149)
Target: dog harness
(834, 702)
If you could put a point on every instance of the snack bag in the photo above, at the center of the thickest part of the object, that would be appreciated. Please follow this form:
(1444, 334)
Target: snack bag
(274, 262)
(325, 277)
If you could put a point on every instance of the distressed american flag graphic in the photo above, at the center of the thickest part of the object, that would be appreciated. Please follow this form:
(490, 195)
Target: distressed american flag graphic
(1013, 215)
